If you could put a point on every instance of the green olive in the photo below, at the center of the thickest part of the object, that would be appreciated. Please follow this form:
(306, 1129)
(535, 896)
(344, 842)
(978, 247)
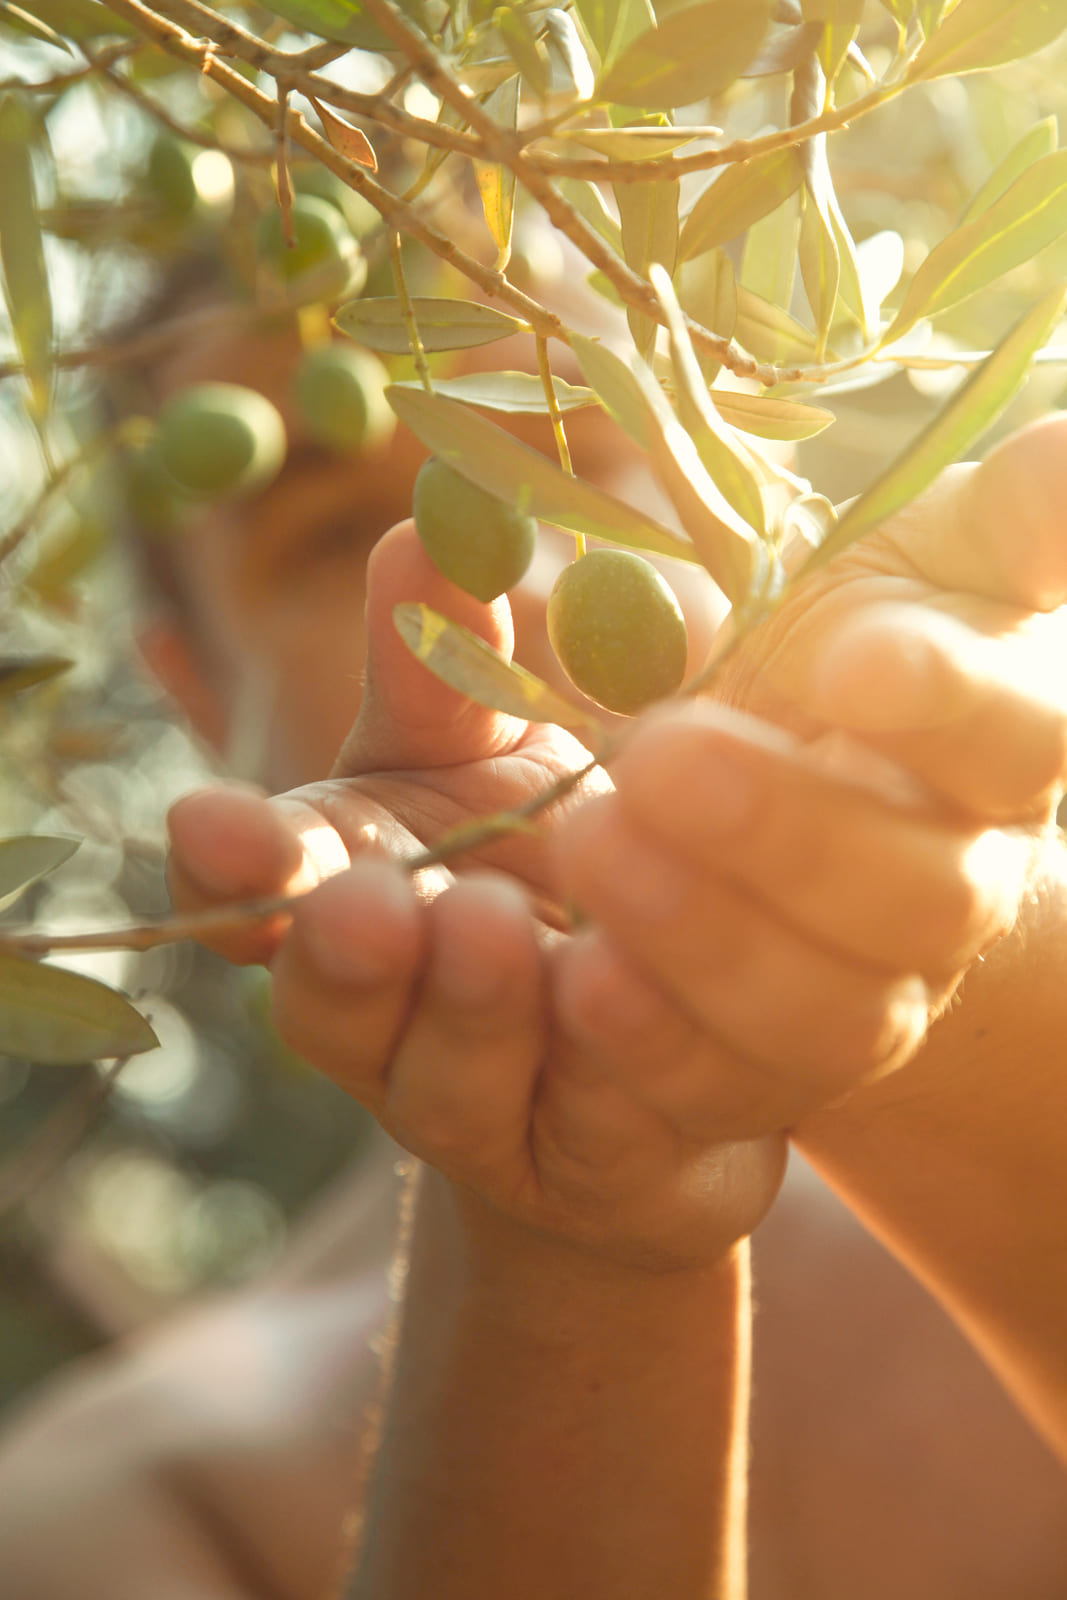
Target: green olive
(219, 439)
(324, 262)
(340, 393)
(479, 542)
(617, 630)
(169, 178)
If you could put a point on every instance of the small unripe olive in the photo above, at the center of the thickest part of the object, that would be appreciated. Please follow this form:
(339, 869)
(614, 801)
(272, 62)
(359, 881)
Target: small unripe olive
(617, 630)
(169, 177)
(220, 439)
(324, 261)
(340, 393)
(479, 542)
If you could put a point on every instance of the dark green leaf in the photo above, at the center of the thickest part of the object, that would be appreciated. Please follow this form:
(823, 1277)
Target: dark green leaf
(28, 858)
(60, 1018)
(26, 289)
(80, 20)
(966, 417)
(466, 663)
(986, 33)
(512, 392)
(526, 479)
(739, 198)
(442, 324)
(346, 21)
(694, 54)
(1041, 140)
(25, 672)
(1027, 217)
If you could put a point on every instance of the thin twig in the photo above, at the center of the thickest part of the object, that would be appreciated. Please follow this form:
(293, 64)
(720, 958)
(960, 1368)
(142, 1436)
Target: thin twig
(62, 80)
(181, 130)
(283, 186)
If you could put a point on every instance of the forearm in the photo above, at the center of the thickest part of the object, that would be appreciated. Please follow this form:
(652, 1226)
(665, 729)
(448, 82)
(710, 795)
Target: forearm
(959, 1161)
(556, 1426)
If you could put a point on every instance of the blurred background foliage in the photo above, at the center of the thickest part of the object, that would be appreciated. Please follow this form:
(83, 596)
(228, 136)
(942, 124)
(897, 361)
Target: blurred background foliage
(186, 1173)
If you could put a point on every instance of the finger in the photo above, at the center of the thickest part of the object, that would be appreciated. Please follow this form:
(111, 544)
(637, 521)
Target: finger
(462, 1080)
(981, 720)
(345, 977)
(772, 996)
(229, 844)
(874, 882)
(408, 717)
(997, 529)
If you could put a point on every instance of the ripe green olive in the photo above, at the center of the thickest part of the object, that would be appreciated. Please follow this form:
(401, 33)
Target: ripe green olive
(219, 439)
(617, 630)
(340, 393)
(324, 263)
(479, 542)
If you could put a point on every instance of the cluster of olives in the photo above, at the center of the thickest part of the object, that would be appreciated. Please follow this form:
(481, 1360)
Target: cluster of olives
(613, 621)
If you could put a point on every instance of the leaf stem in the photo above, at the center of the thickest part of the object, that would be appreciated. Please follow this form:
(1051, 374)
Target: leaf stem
(410, 321)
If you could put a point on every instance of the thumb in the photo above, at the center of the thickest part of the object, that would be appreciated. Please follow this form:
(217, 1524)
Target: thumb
(408, 717)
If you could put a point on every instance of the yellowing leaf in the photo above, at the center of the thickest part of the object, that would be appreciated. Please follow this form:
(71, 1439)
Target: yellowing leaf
(496, 184)
(694, 54)
(1028, 216)
(350, 142)
(60, 1018)
(466, 663)
(986, 33)
(26, 859)
(498, 463)
(442, 324)
(739, 198)
(970, 412)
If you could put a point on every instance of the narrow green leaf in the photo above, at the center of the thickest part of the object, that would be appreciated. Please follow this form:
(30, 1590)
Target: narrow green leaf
(347, 22)
(769, 418)
(524, 478)
(523, 46)
(80, 20)
(613, 24)
(25, 672)
(725, 544)
(841, 21)
(1031, 214)
(26, 859)
(1040, 140)
(901, 10)
(986, 33)
(648, 214)
(770, 333)
(60, 1018)
(694, 54)
(820, 267)
(966, 417)
(726, 458)
(589, 204)
(741, 197)
(511, 392)
(640, 143)
(496, 184)
(572, 71)
(442, 324)
(10, 13)
(26, 289)
(469, 665)
(769, 258)
(707, 291)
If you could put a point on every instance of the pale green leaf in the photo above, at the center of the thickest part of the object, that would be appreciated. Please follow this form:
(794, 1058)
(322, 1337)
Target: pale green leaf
(648, 216)
(442, 324)
(500, 465)
(770, 333)
(589, 204)
(80, 20)
(496, 184)
(966, 417)
(641, 143)
(1039, 141)
(769, 418)
(694, 54)
(841, 20)
(820, 267)
(1031, 214)
(524, 47)
(572, 71)
(986, 33)
(11, 13)
(742, 196)
(469, 665)
(26, 287)
(769, 259)
(511, 392)
(25, 672)
(707, 291)
(28, 858)
(60, 1018)
(613, 24)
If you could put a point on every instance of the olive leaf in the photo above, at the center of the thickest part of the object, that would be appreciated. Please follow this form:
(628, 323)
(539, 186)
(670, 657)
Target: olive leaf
(739, 198)
(613, 24)
(840, 24)
(725, 543)
(80, 20)
(707, 291)
(572, 72)
(25, 22)
(973, 409)
(61, 1018)
(349, 141)
(466, 663)
(769, 332)
(27, 858)
(589, 204)
(1040, 140)
(496, 184)
(648, 217)
(524, 47)
(442, 324)
(511, 392)
(26, 288)
(500, 465)
(1029, 215)
(770, 418)
(986, 33)
(640, 143)
(694, 54)
(25, 672)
